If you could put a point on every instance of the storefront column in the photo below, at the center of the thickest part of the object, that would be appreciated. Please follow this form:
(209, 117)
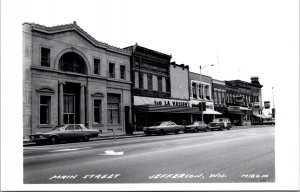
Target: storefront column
(61, 103)
(82, 104)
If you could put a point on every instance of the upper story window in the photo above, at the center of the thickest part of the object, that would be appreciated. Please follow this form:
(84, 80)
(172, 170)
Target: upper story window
(159, 81)
(45, 57)
(122, 72)
(72, 62)
(141, 80)
(194, 90)
(111, 70)
(150, 84)
(97, 66)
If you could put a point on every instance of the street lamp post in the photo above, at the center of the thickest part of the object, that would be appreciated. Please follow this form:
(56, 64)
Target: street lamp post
(201, 89)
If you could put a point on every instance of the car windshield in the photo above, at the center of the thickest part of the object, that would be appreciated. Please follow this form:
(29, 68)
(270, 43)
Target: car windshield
(217, 120)
(160, 123)
(197, 123)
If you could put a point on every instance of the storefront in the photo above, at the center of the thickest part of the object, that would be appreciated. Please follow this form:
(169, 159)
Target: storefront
(150, 110)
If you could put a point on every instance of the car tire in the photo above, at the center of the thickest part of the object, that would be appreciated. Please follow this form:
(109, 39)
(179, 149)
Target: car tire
(86, 138)
(196, 130)
(53, 140)
(221, 128)
(206, 129)
(177, 131)
(161, 132)
(185, 131)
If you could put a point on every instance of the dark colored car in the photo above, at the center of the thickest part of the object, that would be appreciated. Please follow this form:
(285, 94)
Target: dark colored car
(220, 124)
(196, 126)
(65, 133)
(164, 127)
(269, 121)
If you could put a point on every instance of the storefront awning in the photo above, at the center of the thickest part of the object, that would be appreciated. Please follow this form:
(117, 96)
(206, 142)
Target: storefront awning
(171, 109)
(211, 112)
(260, 116)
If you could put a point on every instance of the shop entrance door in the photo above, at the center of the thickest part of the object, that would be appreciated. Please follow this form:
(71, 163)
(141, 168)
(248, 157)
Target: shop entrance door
(69, 109)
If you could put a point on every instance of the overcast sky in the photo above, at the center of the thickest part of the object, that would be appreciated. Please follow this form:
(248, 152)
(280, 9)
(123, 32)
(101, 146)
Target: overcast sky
(242, 38)
(249, 38)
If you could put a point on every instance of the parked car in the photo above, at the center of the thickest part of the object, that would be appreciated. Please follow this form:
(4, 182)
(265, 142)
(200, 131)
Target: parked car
(196, 126)
(220, 124)
(269, 121)
(65, 133)
(163, 127)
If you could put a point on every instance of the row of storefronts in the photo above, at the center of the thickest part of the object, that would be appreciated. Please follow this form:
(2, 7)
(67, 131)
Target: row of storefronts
(70, 77)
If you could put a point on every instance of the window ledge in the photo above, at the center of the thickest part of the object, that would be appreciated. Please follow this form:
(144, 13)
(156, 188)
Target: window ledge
(97, 125)
(45, 126)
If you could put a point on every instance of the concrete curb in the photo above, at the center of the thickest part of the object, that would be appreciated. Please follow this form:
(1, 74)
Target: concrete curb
(141, 134)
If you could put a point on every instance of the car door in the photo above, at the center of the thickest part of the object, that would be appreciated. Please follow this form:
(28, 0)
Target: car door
(172, 126)
(78, 132)
(68, 133)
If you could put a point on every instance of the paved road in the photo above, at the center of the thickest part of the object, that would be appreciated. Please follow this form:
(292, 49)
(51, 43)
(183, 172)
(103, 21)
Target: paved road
(245, 155)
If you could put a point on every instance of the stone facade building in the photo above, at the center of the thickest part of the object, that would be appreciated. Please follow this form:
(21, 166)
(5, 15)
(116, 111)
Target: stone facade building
(70, 77)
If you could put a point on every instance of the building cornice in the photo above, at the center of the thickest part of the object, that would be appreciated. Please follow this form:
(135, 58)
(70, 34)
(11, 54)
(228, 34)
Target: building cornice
(74, 27)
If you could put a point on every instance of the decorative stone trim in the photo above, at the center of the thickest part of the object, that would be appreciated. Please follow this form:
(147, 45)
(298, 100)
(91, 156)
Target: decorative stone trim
(45, 89)
(98, 94)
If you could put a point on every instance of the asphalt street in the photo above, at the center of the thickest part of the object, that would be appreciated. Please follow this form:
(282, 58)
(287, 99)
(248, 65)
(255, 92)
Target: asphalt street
(243, 155)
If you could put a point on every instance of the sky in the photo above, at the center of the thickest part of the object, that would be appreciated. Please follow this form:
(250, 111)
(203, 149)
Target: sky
(242, 38)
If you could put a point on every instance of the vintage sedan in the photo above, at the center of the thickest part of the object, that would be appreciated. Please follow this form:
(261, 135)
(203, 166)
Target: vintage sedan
(65, 133)
(220, 124)
(163, 127)
(196, 126)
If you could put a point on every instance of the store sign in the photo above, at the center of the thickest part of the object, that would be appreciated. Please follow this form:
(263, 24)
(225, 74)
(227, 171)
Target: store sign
(239, 99)
(267, 104)
(209, 104)
(256, 105)
(159, 101)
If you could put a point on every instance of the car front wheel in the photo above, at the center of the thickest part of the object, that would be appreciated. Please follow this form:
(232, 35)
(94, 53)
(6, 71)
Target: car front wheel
(53, 140)
(221, 128)
(161, 132)
(86, 138)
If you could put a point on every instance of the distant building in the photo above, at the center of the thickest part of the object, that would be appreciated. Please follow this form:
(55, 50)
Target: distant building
(201, 91)
(244, 101)
(70, 77)
(219, 96)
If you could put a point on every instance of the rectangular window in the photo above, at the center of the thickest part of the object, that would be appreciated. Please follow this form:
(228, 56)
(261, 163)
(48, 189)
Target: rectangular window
(168, 84)
(215, 97)
(45, 109)
(141, 80)
(149, 79)
(97, 111)
(113, 109)
(194, 90)
(200, 91)
(111, 70)
(45, 57)
(159, 81)
(97, 66)
(122, 72)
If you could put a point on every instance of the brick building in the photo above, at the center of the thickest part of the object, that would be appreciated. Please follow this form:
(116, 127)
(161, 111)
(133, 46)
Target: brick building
(200, 89)
(219, 95)
(70, 77)
(244, 101)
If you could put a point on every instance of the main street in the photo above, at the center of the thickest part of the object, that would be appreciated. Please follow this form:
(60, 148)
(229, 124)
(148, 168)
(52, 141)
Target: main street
(237, 155)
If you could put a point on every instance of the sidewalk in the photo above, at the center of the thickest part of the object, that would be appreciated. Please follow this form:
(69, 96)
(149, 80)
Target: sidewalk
(121, 135)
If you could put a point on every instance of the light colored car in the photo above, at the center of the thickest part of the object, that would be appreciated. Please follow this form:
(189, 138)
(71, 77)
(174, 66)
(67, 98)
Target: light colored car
(196, 126)
(163, 127)
(65, 133)
(220, 124)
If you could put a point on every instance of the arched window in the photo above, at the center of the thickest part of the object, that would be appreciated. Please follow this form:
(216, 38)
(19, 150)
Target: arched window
(72, 62)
